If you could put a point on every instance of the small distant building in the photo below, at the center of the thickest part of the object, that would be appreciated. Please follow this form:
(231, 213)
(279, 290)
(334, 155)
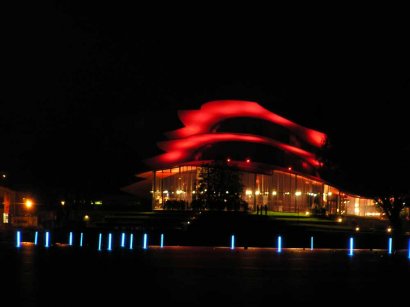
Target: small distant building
(17, 208)
(276, 159)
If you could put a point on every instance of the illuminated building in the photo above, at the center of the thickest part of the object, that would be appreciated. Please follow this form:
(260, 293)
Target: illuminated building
(16, 208)
(275, 157)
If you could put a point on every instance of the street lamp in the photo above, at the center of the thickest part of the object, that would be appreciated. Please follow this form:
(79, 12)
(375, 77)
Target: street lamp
(28, 203)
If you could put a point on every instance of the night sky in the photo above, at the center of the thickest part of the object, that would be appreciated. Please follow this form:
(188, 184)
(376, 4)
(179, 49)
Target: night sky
(89, 91)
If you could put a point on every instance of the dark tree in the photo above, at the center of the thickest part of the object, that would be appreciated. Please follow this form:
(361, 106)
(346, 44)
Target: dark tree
(219, 187)
(393, 205)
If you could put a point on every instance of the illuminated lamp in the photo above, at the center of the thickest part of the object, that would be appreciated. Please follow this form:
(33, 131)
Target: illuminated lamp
(131, 240)
(232, 242)
(99, 241)
(81, 239)
(70, 238)
(47, 241)
(145, 241)
(109, 242)
(351, 246)
(123, 239)
(18, 238)
(408, 250)
(390, 246)
(162, 240)
(279, 244)
(36, 238)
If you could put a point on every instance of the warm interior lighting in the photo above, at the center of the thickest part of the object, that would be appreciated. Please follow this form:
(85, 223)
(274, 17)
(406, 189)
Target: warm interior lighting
(298, 193)
(389, 229)
(307, 213)
(357, 228)
(274, 193)
(339, 220)
(248, 192)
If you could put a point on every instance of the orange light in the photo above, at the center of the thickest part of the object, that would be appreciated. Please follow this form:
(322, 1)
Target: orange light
(28, 203)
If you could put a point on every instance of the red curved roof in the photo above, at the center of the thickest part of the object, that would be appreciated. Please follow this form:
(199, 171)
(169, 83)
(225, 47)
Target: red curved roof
(211, 113)
(198, 133)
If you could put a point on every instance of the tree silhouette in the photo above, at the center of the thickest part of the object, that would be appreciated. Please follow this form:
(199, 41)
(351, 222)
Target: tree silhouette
(393, 205)
(219, 187)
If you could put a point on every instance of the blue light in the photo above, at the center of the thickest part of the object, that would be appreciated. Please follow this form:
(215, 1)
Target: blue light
(47, 240)
(70, 239)
(351, 246)
(36, 238)
(81, 240)
(131, 240)
(18, 239)
(144, 246)
(279, 244)
(311, 243)
(99, 241)
(232, 242)
(408, 250)
(390, 245)
(162, 240)
(123, 240)
(109, 242)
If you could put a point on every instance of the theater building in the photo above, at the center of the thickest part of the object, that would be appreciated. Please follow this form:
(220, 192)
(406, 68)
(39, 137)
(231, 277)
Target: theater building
(275, 157)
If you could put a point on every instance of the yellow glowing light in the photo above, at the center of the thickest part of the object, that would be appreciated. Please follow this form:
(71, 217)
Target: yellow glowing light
(389, 229)
(248, 192)
(307, 213)
(179, 192)
(298, 193)
(86, 218)
(330, 193)
(357, 228)
(62, 203)
(274, 193)
(28, 203)
(340, 220)
(257, 192)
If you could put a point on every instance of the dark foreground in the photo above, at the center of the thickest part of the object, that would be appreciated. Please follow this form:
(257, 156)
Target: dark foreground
(201, 276)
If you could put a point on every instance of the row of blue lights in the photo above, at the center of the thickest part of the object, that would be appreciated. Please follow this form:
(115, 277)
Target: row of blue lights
(71, 240)
(145, 242)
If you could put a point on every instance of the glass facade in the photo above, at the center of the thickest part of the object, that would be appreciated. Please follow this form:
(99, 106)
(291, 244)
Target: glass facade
(280, 191)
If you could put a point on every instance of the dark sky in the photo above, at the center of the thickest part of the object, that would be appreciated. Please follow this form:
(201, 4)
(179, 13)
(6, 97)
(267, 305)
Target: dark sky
(89, 90)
